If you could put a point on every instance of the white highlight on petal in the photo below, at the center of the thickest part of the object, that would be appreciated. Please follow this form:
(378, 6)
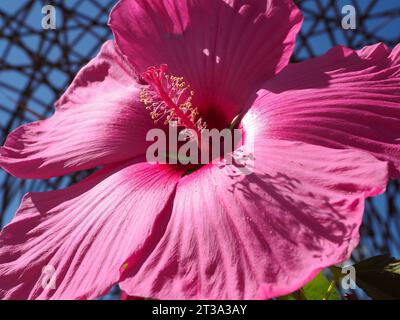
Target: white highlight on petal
(206, 52)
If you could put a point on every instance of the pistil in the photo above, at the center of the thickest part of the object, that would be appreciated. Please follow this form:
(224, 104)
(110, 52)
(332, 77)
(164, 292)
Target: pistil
(169, 98)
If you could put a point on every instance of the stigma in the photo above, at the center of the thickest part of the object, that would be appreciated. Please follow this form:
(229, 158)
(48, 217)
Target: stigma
(169, 99)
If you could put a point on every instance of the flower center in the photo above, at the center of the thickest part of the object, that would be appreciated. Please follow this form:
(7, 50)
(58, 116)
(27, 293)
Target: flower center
(169, 99)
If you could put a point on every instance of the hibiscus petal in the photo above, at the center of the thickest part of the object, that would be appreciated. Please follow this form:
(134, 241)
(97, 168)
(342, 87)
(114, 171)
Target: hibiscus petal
(84, 233)
(261, 235)
(99, 120)
(223, 48)
(343, 99)
(124, 296)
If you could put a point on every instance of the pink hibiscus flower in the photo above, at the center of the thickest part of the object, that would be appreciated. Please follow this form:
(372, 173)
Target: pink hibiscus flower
(326, 135)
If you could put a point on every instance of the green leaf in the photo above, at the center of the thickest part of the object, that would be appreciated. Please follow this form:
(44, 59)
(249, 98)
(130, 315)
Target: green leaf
(379, 277)
(317, 289)
(297, 295)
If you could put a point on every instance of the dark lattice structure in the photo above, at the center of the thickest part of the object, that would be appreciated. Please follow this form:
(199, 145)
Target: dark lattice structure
(36, 66)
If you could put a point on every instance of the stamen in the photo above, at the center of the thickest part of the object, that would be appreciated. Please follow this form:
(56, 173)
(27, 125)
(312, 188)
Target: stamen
(169, 98)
